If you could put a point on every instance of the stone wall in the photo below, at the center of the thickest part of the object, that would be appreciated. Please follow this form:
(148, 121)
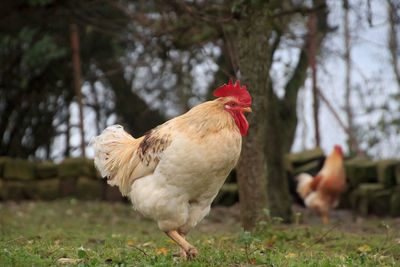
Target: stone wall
(74, 177)
(373, 186)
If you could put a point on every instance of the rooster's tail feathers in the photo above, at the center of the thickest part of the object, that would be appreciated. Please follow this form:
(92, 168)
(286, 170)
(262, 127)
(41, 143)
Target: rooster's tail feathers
(304, 184)
(114, 149)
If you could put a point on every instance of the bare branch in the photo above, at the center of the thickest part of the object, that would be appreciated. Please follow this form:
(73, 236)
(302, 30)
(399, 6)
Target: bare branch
(353, 141)
(300, 10)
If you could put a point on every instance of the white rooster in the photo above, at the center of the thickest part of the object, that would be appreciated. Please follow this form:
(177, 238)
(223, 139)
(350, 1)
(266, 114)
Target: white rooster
(173, 173)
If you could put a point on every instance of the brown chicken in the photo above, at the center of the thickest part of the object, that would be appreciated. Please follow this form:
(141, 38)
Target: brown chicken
(322, 192)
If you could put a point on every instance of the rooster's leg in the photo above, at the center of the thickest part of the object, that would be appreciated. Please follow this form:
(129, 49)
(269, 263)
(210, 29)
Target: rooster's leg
(182, 252)
(325, 218)
(186, 248)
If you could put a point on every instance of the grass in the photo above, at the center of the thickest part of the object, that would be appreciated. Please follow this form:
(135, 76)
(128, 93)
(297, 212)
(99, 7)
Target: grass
(74, 233)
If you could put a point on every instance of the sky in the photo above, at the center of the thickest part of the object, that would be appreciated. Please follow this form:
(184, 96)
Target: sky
(371, 73)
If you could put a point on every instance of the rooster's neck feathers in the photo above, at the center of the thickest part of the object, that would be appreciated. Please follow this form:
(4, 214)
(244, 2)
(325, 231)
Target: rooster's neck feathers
(205, 119)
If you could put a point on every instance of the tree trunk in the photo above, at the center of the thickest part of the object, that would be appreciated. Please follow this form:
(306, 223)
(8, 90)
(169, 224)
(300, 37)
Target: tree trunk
(393, 41)
(261, 178)
(312, 28)
(287, 105)
(76, 65)
(277, 186)
(67, 152)
(347, 59)
(261, 175)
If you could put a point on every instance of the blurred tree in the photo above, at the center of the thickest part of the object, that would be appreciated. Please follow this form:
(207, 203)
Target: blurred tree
(262, 27)
(30, 91)
(394, 43)
(380, 97)
(77, 73)
(312, 55)
(35, 85)
(347, 59)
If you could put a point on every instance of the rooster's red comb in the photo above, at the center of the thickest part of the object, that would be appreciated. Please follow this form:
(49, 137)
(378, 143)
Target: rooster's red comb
(338, 149)
(236, 91)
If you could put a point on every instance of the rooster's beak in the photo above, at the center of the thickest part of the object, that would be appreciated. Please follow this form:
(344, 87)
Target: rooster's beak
(247, 109)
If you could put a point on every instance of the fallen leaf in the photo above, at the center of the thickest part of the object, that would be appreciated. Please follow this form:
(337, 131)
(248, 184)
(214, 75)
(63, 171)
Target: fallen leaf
(7, 216)
(252, 261)
(162, 250)
(208, 241)
(147, 244)
(172, 242)
(67, 260)
(20, 214)
(290, 255)
(304, 245)
(269, 242)
(365, 248)
(130, 243)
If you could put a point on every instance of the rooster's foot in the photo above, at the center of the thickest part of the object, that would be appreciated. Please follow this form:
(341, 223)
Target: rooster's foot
(325, 219)
(187, 250)
(181, 254)
(192, 253)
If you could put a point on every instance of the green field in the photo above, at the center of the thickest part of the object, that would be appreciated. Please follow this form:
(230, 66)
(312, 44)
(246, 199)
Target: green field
(73, 233)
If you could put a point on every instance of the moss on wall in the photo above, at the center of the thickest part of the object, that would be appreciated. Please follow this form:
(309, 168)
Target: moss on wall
(373, 187)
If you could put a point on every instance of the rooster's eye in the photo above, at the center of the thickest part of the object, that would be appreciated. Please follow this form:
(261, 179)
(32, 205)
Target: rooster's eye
(233, 104)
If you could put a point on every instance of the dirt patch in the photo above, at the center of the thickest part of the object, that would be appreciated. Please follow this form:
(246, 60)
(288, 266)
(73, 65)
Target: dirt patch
(224, 218)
